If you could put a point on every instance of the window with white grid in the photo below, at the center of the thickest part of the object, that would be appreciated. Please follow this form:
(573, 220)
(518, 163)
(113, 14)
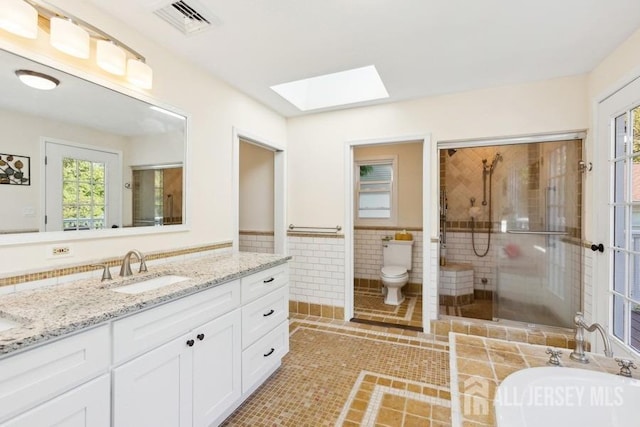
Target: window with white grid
(376, 191)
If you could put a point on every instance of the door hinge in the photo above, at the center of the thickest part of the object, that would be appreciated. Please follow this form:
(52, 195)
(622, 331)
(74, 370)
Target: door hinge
(45, 220)
(45, 160)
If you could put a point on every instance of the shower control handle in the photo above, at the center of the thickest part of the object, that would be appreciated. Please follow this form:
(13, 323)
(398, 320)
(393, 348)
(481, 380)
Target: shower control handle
(597, 248)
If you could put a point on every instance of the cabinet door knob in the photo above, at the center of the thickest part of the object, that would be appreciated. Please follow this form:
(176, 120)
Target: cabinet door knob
(269, 313)
(270, 352)
(190, 343)
(269, 280)
(200, 336)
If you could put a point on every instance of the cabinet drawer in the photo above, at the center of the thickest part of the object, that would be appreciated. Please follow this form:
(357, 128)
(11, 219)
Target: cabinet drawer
(36, 375)
(88, 405)
(149, 329)
(264, 314)
(259, 359)
(263, 282)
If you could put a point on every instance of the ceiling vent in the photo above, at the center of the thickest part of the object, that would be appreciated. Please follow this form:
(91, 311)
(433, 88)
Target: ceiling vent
(190, 18)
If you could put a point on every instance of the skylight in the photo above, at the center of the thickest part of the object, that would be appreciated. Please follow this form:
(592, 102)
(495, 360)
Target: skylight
(331, 90)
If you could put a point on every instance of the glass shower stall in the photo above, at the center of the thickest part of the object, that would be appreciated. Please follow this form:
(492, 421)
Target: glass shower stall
(514, 213)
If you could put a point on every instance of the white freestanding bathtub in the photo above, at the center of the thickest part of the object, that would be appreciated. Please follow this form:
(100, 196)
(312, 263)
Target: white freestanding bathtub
(557, 396)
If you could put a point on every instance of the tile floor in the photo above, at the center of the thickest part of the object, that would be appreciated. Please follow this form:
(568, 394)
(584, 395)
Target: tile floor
(348, 374)
(479, 309)
(369, 305)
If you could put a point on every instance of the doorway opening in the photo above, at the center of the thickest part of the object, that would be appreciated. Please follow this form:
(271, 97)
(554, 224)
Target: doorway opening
(82, 187)
(157, 195)
(256, 215)
(259, 191)
(386, 202)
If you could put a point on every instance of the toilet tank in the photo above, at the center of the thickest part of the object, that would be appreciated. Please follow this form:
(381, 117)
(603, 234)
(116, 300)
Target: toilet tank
(397, 252)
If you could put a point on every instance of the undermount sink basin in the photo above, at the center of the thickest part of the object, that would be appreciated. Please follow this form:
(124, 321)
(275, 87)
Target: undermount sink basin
(150, 284)
(6, 324)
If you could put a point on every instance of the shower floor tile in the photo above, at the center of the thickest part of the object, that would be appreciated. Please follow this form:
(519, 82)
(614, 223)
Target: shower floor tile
(347, 374)
(479, 309)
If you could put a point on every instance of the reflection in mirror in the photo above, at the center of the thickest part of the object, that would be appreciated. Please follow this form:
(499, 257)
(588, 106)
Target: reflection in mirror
(93, 139)
(157, 195)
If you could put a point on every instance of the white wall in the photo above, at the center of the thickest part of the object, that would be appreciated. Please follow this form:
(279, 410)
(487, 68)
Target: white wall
(256, 188)
(408, 175)
(213, 107)
(316, 142)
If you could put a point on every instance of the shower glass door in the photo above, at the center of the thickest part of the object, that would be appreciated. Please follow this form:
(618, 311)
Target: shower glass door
(537, 214)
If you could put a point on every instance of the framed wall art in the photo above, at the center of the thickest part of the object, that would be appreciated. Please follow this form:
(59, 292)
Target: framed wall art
(15, 170)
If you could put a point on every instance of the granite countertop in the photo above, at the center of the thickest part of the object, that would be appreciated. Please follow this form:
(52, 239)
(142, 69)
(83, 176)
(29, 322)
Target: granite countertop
(47, 313)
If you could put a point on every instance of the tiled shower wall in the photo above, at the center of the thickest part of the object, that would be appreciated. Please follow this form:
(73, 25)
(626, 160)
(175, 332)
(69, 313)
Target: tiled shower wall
(368, 253)
(460, 250)
(256, 241)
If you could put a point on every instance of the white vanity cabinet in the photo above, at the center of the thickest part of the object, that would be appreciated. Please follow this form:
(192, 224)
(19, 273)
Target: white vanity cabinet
(188, 362)
(49, 384)
(223, 343)
(85, 406)
(190, 380)
(265, 330)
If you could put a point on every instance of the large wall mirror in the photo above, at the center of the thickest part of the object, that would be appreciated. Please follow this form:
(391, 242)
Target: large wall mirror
(84, 157)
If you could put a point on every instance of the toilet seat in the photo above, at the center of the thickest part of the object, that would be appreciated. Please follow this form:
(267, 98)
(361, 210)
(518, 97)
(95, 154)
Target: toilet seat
(392, 271)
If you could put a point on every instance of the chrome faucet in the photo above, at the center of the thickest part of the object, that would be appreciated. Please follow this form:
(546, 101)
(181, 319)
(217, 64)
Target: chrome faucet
(125, 268)
(579, 354)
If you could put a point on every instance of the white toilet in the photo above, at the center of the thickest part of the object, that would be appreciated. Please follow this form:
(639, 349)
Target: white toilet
(396, 255)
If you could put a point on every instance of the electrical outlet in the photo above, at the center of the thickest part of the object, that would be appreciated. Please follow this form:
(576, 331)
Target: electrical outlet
(58, 251)
(29, 211)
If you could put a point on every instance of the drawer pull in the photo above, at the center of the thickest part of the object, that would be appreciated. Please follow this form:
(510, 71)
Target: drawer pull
(269, 313)
(270, 352)
(200, 336)
(269, 280)
(190, 343)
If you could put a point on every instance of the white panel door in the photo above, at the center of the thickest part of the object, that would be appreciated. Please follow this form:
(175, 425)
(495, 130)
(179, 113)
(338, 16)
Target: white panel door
(155, 390)
(216, 368)
(88, 199)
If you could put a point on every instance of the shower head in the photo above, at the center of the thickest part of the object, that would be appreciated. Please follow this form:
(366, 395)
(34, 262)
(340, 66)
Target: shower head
(451, 151)
(495, 161)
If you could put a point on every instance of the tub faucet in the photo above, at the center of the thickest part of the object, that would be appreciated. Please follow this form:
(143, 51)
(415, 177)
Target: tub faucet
(579, 354)
(125, 268)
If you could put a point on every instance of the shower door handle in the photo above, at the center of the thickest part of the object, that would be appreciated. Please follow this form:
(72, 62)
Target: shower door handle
(540, 233)
(594, 247)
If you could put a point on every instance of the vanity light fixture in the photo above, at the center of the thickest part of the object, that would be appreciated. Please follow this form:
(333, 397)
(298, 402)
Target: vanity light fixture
(111, 57)
(73, 37)
(70, 38)
(37, 80)
(139, 73)
(19, 18)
